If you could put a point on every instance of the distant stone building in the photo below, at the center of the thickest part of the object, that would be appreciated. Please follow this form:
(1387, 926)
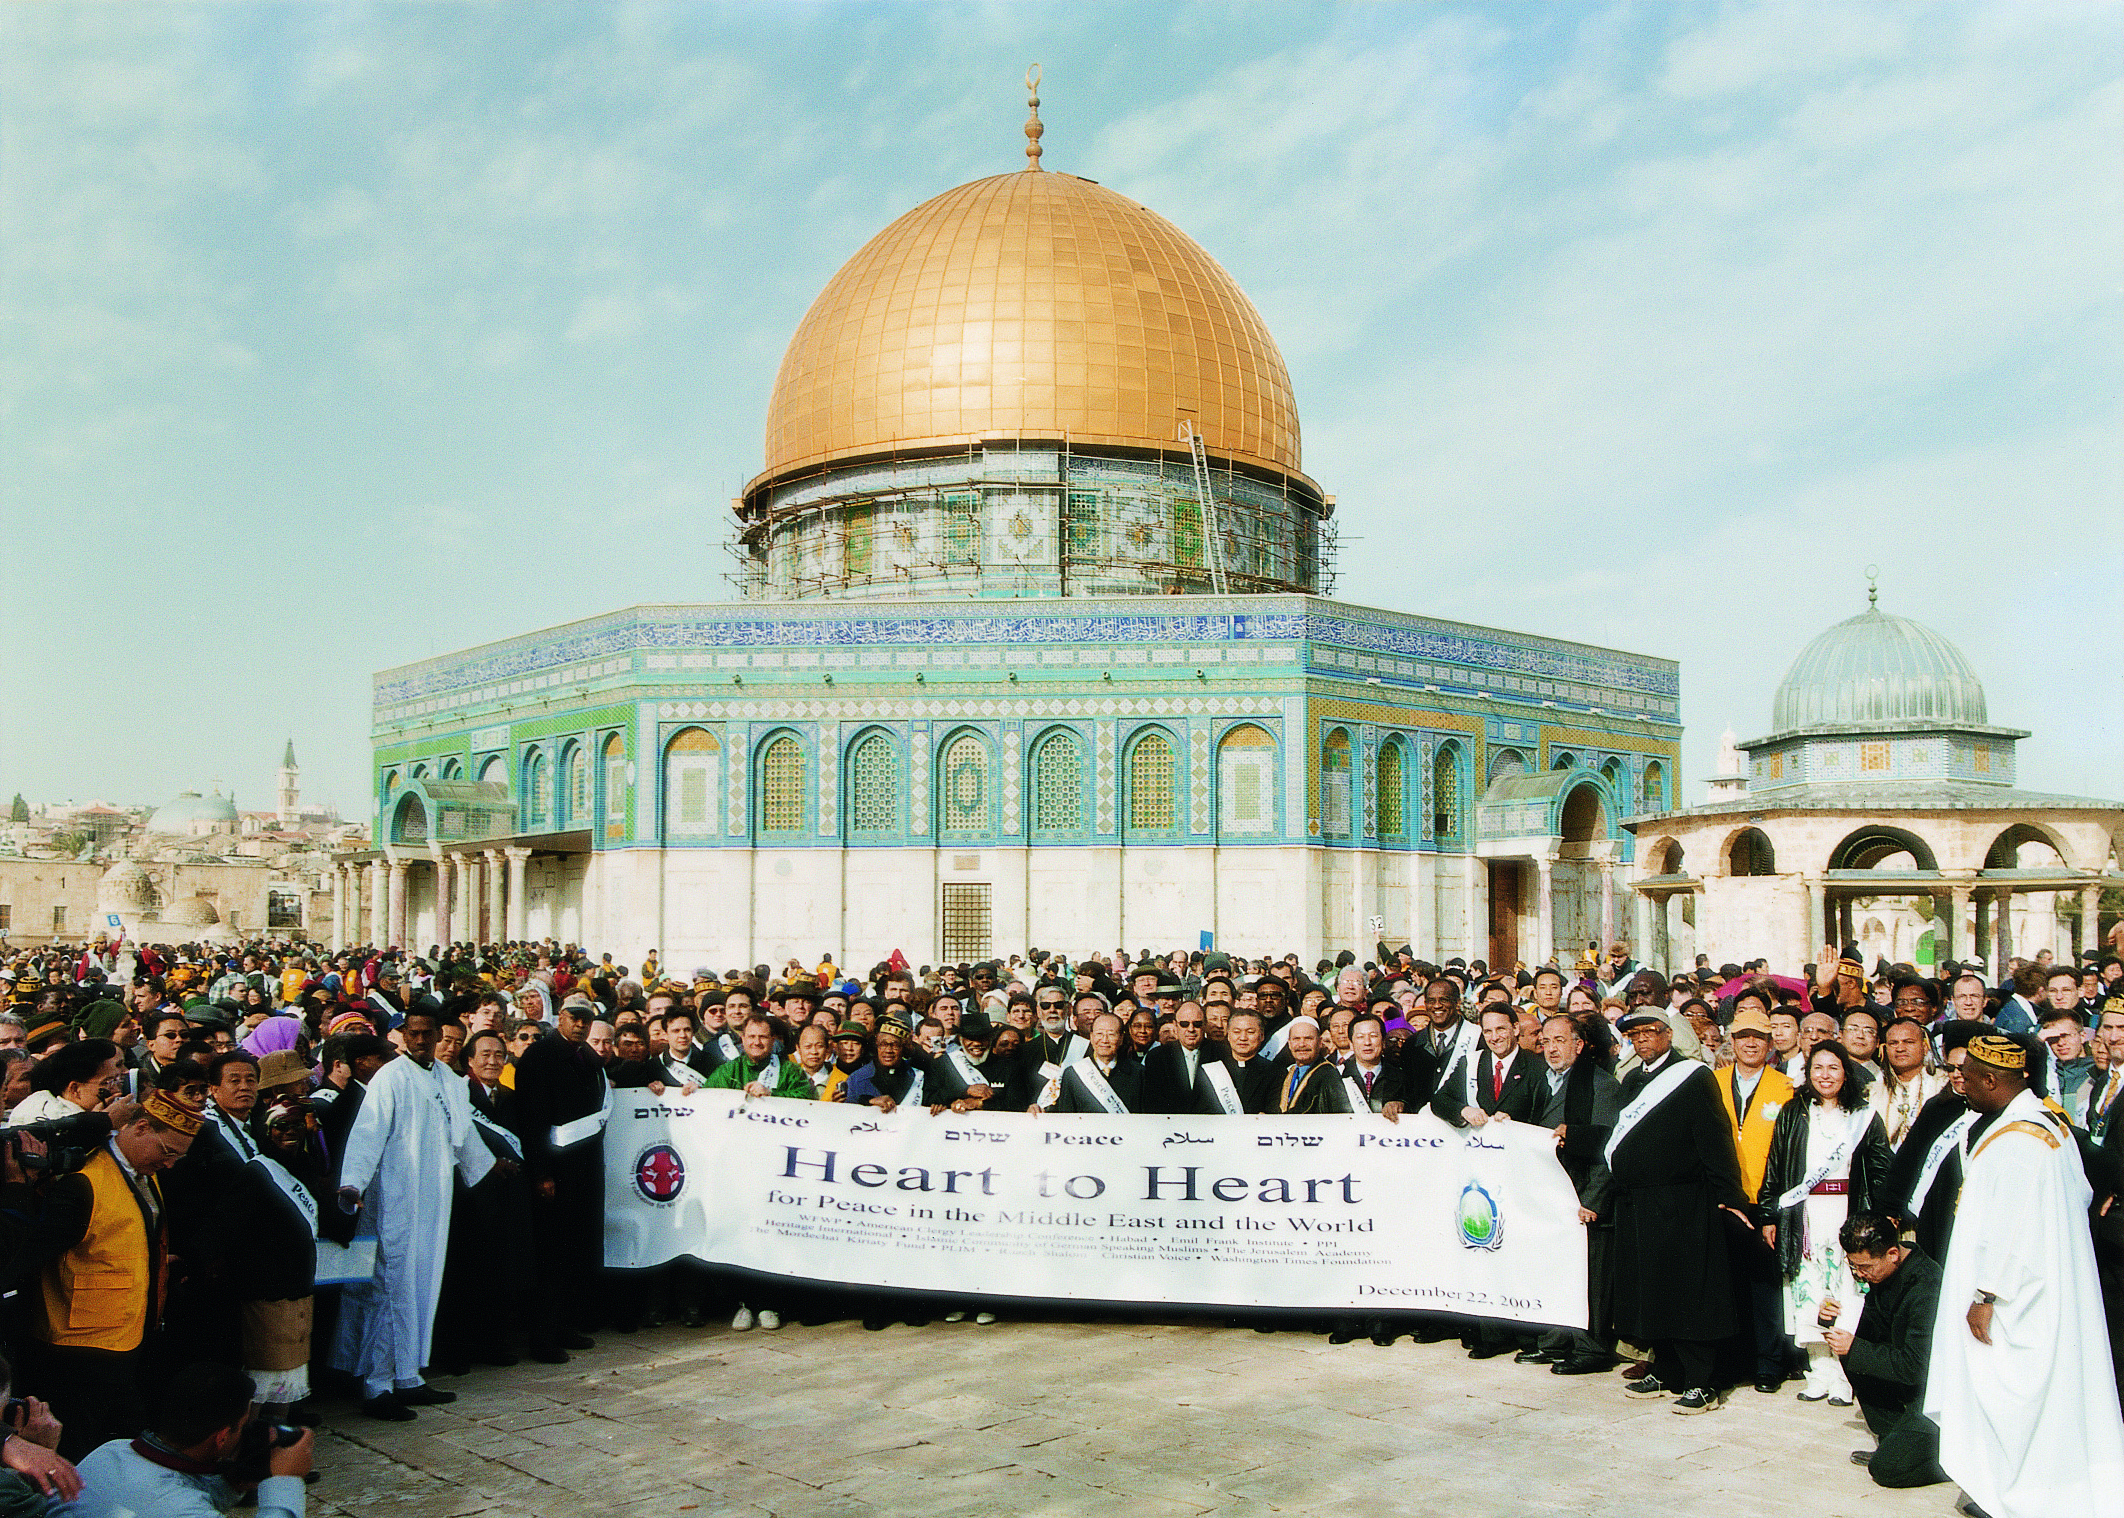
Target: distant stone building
(1881, 810)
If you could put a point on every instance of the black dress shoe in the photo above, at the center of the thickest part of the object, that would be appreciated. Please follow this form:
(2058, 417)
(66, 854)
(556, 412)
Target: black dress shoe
(388, 1409)
(425, 1396)
(577, 1341)
(449, 1368)
(877, 1325)
(1383, 1340)
(1532, 1357)
(498, 1357)
(549, 1354)
(1489, 1351)
(1770, 1386)
(1434, 1335)
(1862, 1457)
(1584, 1365)
(1342, 1336)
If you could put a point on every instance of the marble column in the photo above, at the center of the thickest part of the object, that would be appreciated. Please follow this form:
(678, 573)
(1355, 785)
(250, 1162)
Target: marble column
(491, 865)
(518, 858)
(1959, 928)
(445, 892)
(2090, 918)
(1607, 904)
(1642, 949)
(379, 903)
(400, 918)
(1544, 910)
(2001, 931)
(1817, 931)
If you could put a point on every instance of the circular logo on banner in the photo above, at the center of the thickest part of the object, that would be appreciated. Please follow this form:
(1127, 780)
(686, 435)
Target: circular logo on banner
(1481, 1224)
(659, 1173)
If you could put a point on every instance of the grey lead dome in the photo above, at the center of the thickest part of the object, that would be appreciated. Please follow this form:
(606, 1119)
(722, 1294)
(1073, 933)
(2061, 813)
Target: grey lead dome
(1874, 669)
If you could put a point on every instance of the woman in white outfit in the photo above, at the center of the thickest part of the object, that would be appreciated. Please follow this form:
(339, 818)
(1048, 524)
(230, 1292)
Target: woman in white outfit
(1829, 1157)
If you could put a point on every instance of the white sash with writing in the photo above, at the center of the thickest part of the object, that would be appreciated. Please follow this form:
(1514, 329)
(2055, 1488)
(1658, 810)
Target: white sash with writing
(770, 1074)
(681, 1073)
(1078, 1047)
(1222, 1087)
(1359, 1102)
(1275, 1044)
(1839, 1154)
(965, 1068)
(1472, 1063)
(1051, 1073)
(487, 1124)
(1101, 1091)
(913, 1098)
(581, 1130)
(1657, 1090)
(728, 1045)
(1956, 1131)
(296, 1192)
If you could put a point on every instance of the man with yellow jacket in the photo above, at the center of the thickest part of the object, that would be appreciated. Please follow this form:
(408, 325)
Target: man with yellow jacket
(1754, 1092)
(101, 1242)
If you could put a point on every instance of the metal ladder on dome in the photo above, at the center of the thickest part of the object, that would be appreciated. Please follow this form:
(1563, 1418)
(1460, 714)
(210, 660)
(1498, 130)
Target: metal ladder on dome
(1200, 457)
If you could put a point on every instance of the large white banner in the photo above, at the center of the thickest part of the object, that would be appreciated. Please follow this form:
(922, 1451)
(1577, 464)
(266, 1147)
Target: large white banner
(1338, 1213)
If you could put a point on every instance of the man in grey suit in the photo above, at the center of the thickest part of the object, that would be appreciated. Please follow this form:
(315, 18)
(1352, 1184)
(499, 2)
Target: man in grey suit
(1579, 1101)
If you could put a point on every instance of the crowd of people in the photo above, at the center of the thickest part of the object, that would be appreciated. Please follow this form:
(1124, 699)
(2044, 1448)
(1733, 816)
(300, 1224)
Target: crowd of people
(239, 1180)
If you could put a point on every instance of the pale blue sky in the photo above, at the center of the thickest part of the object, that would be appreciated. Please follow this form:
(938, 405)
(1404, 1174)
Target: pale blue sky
(337, 336)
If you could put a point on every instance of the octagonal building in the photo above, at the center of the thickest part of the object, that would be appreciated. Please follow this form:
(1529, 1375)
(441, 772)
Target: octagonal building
(1035, 649)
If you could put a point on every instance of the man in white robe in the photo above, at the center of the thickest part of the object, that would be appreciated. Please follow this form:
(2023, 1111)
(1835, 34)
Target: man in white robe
(2020, 1382)
(415, 1124)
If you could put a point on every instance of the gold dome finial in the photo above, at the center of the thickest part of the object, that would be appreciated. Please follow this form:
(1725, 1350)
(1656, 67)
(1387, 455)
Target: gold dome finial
(1033, 129)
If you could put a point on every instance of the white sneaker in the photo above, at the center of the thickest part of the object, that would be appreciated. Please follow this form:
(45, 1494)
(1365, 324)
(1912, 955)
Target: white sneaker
(742, 1320)
(955, 1317)
(770, 1319)
(984, 1317)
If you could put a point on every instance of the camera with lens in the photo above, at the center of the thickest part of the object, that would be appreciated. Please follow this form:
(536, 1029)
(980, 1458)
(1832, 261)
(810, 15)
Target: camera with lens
(60, 1156)
(252, 1462)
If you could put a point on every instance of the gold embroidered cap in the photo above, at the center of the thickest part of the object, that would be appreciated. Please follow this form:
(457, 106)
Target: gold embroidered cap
(171, 1113)
(1998, 1051)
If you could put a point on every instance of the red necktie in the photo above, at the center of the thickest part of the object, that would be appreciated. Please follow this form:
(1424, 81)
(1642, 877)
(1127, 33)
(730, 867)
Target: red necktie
(1368, 1077)
(1497, 1081)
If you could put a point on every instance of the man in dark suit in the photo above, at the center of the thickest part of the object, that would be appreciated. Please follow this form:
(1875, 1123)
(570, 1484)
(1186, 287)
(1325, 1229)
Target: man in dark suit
(1172, 1072)
(1887, 1355)
(1579, 1100)
(1373, 1079)
(1121, 1075)
(1673, 1168)
(1489, 1078)
(1253, 1078)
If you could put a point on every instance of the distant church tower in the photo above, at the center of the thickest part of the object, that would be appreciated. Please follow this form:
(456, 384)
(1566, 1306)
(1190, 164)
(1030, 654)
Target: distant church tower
(290, 786)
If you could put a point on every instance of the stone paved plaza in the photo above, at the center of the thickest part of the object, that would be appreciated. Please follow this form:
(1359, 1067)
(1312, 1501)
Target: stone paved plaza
(1103, 1418)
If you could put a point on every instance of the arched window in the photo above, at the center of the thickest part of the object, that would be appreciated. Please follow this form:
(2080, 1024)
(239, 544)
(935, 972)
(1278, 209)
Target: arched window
(1246, 782)
(390, 783)
(873, 785)
(693, 778)
(1655, 788)
(1751, 854)
(492, 769)
(1150, 785)
(538, 787)
(964, 774)
(1505, 763)
(1335, 785)
(1058, 784)
(782, 786)
(1562, 759)
(452, 770)
(577, 791)
(615, 789)
(1445, 793)
(1392, 811)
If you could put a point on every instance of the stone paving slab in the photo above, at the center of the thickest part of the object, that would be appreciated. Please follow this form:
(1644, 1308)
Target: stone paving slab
(1080, 1420)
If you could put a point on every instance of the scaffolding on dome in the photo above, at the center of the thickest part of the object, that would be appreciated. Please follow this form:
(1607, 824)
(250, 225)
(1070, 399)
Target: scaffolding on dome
(975, 533)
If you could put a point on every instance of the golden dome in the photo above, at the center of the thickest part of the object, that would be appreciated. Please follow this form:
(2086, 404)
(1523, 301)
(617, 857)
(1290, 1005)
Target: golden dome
(1030, 305)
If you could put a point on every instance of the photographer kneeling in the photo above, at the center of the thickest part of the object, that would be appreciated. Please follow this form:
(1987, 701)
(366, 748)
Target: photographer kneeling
(201, 1452)
(1886, 1358)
